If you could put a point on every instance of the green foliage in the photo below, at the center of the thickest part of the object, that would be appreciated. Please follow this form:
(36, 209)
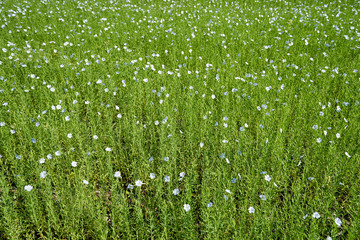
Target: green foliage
(230, 100)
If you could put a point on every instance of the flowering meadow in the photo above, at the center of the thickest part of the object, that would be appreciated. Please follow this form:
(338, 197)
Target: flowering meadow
(179, 119)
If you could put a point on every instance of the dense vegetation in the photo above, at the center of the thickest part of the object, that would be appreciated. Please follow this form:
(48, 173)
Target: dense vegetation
(179, 119)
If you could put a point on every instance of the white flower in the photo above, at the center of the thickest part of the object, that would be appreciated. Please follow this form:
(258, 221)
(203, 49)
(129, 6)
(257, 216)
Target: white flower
(85, 182)
(119, 115)
(329, 238)
(49, 156)
(338, 135)
(201, 145)
(42, 160)
(152, 175)
(210, 204)
(95, 137)
(167, 179)
(316, 215)
(318, 140)
(87, 102)
(130, 186)
(57, 153)
(67, 118)
(338, 221)
(182, 174)
(43, 174)
(156, 122)
(267, 178)
(74, 164)
(108, 149)
(138, 183)
(186, 207)
(213, 96)
(263, 197)
(28, 188)
(69, 135)
(347, 155)
(176, 191)
(251, 210)
(117, 174)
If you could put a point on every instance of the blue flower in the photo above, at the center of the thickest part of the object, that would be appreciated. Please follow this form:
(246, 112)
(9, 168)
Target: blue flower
(251, 210)
(338, 221)
(186, 207)
(43, 174)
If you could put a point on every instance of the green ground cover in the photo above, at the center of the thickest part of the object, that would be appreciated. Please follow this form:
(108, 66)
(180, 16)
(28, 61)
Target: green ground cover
(179, 119)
